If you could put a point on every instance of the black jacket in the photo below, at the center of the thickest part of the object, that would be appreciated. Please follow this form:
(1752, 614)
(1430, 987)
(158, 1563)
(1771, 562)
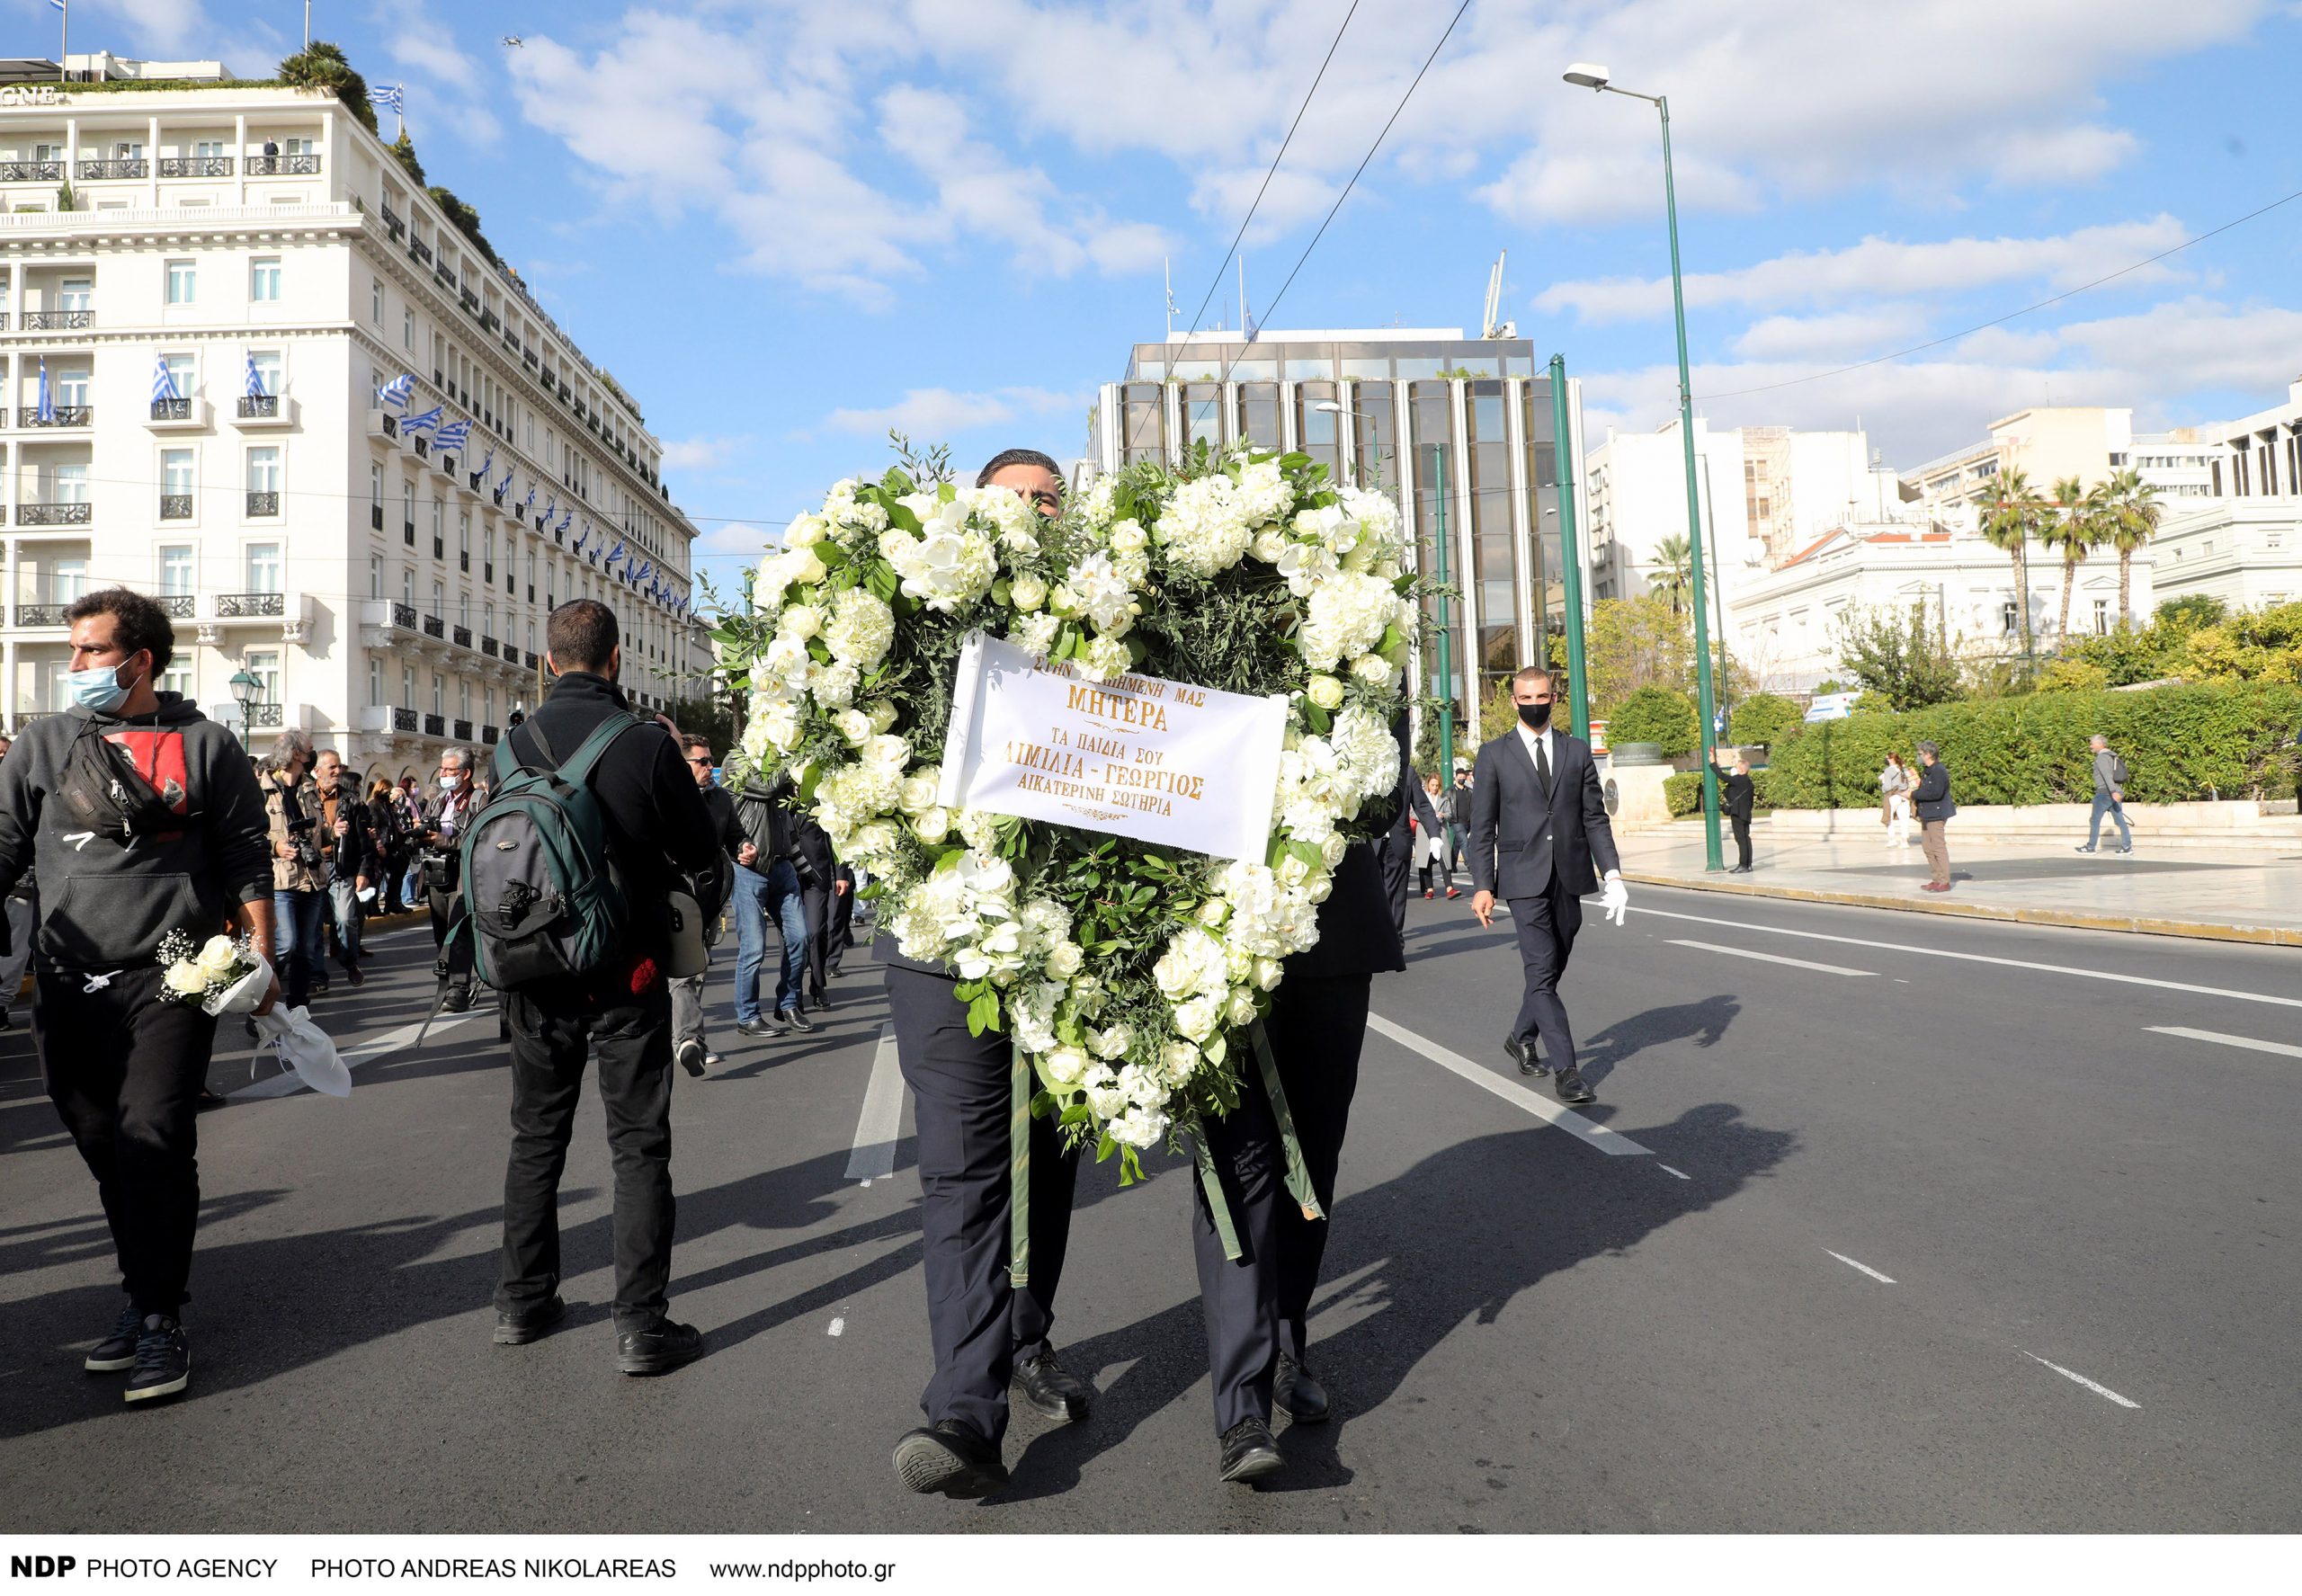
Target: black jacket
(659, 825)
(1520, 839)
(357, 852)
(1931, 798)
(1740, 794)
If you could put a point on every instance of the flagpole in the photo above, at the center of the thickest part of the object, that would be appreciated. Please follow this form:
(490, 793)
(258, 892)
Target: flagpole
(63, 43)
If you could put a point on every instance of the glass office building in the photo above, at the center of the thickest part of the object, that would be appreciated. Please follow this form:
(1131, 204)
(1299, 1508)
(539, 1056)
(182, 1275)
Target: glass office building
(1460, 431)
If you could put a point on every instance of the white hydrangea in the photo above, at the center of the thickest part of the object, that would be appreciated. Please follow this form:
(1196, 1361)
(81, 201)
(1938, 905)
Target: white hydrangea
(1192, 963)
(1204, 528)
(1347, 617)
(860, 630)
(1103, 658)
(1264, 493)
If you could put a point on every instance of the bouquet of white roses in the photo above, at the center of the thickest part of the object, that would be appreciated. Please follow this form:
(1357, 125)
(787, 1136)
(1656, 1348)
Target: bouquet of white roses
(224, 976)
(1127, 975)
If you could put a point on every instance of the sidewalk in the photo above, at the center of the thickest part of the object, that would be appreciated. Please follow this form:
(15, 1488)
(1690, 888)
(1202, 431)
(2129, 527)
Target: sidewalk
(2239, 894)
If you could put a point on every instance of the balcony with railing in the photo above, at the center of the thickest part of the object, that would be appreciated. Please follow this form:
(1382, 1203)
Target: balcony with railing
(420, 250)
(304, 166)
(403, 721)
(57, 321)
(41, 615)
(175, 506)
(393, 223)
(77, 514)
(383, 423)
(195, 165)
(266, 715)
(489, 734)
(177, 416)
(490, 646)
(462, 635)
(32, 172)
(172, 410)
(101, 171)
(435, 725)
(433, 627)
(261, 407)
(403, 615)
(262, 501)
(59, 415)
(178, 606)
(439, 548)
(376, 516)
(463, 731)
(250, 606)
(530, 658)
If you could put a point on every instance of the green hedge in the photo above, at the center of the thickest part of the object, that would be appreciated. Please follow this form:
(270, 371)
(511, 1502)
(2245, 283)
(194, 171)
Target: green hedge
(1763, 717)
(1655, 714)
(1684, 791)
(2180, 744)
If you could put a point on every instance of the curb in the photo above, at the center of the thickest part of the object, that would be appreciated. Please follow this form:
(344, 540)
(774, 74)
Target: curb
(2271, 936)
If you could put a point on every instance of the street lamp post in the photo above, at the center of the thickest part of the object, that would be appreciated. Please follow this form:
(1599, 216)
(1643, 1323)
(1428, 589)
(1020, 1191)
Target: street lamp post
(1586, 75)
(247, 690)
(1570, 555)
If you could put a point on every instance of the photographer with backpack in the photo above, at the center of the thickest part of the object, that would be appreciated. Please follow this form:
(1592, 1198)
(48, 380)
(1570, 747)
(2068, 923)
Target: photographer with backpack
(2110, 795)
(144, 820)
(568, 880)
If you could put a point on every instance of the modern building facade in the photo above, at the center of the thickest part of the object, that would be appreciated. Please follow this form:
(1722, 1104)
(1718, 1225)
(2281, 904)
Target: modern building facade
(2246, 552)
(1459, 429)
(201, 292)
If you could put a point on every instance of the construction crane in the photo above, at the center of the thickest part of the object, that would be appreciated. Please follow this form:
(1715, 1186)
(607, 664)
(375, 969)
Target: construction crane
(1493, 328)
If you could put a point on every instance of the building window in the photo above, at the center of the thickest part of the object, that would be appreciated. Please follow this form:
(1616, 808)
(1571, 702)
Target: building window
(375, 682)
(376, 490)
(180, 370)
(71, 580)
(376, 576)
(263, 569)
(2007, 618)
(439, 598)
(72, 387)
(2101, 615)
(77, 293)
(263, 281)
(267, 369)
(264, 476)
(71, 485)
(184, 283)
(208, 149)
(263, 665)
(407, 687)
(408, 329)
(407, 586)
(175, 473)
(176, 570)
(178, 678)
(439, 693)
(375, 301)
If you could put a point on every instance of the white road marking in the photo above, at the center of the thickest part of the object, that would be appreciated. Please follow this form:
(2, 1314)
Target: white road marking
(837, 1325)
(2099, 1390)
(1804, 964)
(2227, 1041)
(395, 1041)
(2019, 964)
(1667, 1170)
(874, 1153)
(1511, 1091)
(1866, 1269)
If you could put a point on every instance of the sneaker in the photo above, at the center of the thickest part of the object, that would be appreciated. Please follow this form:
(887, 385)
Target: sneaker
(2082, 850)
(456, 1000)
(163, 1360)
(354, 974)
(1454, 891)
(117, 1351)
(795, 1019)
(1428, 894)
(692, 1057)
(2126, 850)
(710, 1059)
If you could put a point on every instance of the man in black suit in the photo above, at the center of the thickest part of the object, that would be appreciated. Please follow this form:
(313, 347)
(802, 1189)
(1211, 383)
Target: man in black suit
(1737, 800)
(1398, 844)
(1538, 822)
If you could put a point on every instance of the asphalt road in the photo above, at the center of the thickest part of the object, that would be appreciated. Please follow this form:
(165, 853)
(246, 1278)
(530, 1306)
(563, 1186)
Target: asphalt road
(1860, 1236)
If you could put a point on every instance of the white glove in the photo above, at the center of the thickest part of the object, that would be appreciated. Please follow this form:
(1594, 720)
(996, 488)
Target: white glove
(1614, 898)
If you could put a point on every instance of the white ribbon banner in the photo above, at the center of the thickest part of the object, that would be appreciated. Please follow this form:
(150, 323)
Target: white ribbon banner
(1163, 761)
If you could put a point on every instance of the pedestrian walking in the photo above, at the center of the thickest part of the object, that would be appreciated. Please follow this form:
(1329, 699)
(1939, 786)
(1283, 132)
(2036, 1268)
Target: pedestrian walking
(1414, 811)
(772, 868)
(689, 1045)
(1431, 844)
(1931, 799)
(1894, 782)
(653, 817)
(2109, 796)
(162, 829)
(841, 936)
(439, 831)
(22, 908)
(987, 1333)
(1740, 797)
(391, 834)
(1460, 795)
(1538, 827)
(299, 872)
(354, 861)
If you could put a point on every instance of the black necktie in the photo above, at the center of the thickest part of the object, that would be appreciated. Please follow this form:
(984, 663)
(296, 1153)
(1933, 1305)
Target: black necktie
(1542, 763)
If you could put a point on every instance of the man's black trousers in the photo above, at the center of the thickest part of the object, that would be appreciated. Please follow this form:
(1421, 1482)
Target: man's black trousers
(1547, 925)
(1256, 1307)
(842, 919)
(815, 902)
(1742, 839)
(552, 1032)
(1396, 852)
(979, 1325)
(455, 965)
(125, 1071)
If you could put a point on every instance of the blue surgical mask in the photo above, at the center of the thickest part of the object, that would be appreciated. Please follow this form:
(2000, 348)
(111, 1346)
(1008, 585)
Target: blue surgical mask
(97, 688)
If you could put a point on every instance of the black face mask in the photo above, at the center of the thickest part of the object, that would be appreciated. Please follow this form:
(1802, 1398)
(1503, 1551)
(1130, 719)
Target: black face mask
(1534, 717)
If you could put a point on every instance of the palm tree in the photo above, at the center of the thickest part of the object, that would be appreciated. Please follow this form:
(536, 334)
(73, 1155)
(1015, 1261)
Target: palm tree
(320, 65)
(2071, 528)
(2011, 517)
(1673, 568)
(2130, 512)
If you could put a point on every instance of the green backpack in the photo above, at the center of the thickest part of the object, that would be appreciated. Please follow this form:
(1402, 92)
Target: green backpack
(542, 900)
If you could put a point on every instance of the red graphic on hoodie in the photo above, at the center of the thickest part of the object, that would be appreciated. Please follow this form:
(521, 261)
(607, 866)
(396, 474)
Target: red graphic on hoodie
(159, 758)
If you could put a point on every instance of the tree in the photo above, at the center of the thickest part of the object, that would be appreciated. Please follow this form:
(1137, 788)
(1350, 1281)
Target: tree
(2011, 517)
(1655, 714)
(2131, 513)
(1673, 569)
(712, 716)
(1635, 643)
(1898, 655)
(2071, 528)
(323, 68)
(1764, 717)
(402, 150)
(2192, 611)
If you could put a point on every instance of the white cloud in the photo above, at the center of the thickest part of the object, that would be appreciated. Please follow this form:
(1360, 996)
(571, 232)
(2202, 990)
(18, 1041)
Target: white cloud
(1837, 335)
(732, 539)
(934, 414)
(699, 454)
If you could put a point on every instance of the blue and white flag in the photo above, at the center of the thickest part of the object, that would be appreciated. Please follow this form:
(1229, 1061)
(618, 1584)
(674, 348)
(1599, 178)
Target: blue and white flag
(504, 486)
(163, 381)
(392, 96)
(252, 388)
(46, 411)
(395, 393)
(614, 554)
(566, 519)
(488, 464)
(530, 502)
(577, 545)
(450, 438)
(427, 422)
(550, 508)
(645, 567)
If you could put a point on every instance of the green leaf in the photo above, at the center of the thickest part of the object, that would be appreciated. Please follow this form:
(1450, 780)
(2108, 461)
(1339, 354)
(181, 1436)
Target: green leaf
(1316, 718)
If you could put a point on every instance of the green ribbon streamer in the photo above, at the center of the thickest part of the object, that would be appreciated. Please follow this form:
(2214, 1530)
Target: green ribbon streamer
(1018, 1176)
(1216, 1207)
(1299, 1174)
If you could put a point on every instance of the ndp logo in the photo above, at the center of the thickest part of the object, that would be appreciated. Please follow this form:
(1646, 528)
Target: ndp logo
(40, 1567)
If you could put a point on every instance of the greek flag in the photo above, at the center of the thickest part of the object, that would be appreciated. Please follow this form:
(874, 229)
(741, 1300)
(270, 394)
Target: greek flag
(450, 438)
(46, 411)
(163, 381)
(566, 519)
(529, 503)
(395, 393)
(253, 386)
(614, 554)
(577, 545)
(428, 422)
(488, 464)
(550, 508)
(645, 569)
(504, 486)
(392, 96)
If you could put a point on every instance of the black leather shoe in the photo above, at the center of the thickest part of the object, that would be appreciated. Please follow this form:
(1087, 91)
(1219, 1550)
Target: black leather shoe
(660, 1349)
(1297, 1394)
(949, 1458)
(1573, 1088)
(518, 1329)
(1522, 1049)
(456, 1000)
(795, 1019)
(1248, 1452)
(761, 1027)
(1050, 1389)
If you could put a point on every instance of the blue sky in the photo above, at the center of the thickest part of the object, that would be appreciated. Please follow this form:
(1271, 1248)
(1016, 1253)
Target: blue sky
(786, 225)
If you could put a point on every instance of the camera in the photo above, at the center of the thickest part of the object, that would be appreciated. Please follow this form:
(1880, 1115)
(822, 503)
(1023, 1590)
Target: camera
(307, 846)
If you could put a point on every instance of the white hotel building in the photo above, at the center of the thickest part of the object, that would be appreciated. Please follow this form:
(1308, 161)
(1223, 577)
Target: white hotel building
(384, 604)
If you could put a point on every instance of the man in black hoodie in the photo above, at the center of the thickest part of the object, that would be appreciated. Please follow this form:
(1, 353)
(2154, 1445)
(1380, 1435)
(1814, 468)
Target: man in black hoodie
(658, 825)
(123, 1066)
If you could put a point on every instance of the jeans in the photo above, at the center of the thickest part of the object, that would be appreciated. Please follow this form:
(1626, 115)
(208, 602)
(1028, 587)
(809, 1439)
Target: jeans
(2104, 804)
(344, 897)
(757, 900)
(22, 929)
(124, 1071)
(296, 944)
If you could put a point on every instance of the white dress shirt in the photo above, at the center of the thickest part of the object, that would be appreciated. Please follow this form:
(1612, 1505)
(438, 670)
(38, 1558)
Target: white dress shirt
(1541, 748)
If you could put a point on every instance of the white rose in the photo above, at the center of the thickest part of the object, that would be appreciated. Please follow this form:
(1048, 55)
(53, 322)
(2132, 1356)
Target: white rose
(1268, 973)
(1293, 872)
(801, 621)
(933, 826)
(1241, 1008)
(1268, 547)
(1197, 1019)
(855, 727)
(185, 978)
(1324, 692)
(883, 716)
(806, 533)
(217, 957)
(1375, 671)
(1064, 961)
(1029, 593)
(1113, 1043)
(1064, 1068)
(916, 795)
(1212, 911)
(1128, 537)
(1332, 850)
(803, 565)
